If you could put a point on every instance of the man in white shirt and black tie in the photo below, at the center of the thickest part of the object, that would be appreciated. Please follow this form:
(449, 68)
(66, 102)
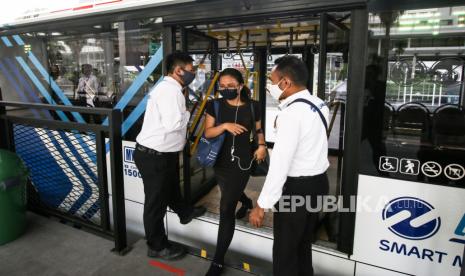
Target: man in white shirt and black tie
(161, 139)
(297, 168)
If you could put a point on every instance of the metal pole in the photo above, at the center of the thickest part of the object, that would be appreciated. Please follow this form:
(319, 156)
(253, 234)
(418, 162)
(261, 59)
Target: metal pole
(340, 152)
(183, 43)
(169, 43)
(262, 71)
(310, 62)
(186, 157)
(214, 56)
(322, 56)
(117, 183)
(353, 127)
(102, 181)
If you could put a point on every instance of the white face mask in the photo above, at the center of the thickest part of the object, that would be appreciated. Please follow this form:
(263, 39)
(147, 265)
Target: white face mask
(275, 91)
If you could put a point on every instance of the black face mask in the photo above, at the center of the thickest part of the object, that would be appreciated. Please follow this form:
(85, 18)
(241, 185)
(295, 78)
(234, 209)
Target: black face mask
(229, 93)
(188, 77)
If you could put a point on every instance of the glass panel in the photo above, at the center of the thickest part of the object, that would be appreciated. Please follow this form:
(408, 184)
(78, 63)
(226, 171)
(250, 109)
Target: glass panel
(414, 122)
(272, 104)
(85, 65)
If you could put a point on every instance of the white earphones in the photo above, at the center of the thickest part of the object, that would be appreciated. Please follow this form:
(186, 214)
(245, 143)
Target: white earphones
(233, 157)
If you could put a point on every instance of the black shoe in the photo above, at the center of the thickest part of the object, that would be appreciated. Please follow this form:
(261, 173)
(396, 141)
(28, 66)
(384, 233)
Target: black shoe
(215, 269)
(172, 252)
(244, 208)
(196, 212)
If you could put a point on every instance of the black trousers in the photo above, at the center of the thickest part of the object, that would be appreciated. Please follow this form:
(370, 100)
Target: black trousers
(293, 231)
(232, 182)
(160, 174)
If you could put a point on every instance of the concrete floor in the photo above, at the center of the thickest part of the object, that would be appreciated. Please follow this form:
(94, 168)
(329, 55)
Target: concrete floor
(50, 248)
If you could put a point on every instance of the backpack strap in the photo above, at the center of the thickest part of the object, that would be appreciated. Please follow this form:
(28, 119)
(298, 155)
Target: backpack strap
(216, 107)
(314, 107)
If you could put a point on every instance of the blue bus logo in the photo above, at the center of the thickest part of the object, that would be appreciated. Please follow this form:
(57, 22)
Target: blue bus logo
(129, 154)
(460, 232)
(411, 218)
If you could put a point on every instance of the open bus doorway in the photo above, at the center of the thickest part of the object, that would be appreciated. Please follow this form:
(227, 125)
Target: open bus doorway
(321, 40)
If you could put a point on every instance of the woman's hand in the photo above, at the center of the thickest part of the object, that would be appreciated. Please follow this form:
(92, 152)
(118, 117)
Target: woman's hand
(260, 154)
(234, 129)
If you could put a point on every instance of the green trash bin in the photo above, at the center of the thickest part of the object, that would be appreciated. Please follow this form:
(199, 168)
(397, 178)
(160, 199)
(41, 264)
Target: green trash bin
(13, 179)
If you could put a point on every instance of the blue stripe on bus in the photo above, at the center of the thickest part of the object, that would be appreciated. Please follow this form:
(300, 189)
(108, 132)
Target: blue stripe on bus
(154, 61)
(134, 116)
(6, 41)
(61, 95)
(28, 87)
(137, 112)
(18, 40)
(40, 87)
(53, 197)
(87, 189)
(88, 171)
(16, 87)
(92, 210)
(78, 136)
(54, 86)
(49, 99)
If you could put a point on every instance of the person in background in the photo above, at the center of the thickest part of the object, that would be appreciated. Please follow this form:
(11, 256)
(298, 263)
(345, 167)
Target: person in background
(88, 85)
(57, 75)
(161, 139)
(297, 168)
(232, 167)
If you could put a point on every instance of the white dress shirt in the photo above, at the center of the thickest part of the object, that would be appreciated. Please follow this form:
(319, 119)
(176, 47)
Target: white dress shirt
(90, 86)
(301, 146)
(166, 118)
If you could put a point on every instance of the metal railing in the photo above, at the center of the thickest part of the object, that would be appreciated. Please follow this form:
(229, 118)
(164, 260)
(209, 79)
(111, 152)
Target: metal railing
(68, 165)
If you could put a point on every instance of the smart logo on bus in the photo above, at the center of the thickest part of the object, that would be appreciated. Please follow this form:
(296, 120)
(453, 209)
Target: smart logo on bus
(416, 220)
(411, 218)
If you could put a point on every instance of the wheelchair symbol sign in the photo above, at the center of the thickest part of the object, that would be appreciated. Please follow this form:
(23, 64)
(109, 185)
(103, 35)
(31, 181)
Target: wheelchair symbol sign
(454, 172)
(431, 169)
(388, 164)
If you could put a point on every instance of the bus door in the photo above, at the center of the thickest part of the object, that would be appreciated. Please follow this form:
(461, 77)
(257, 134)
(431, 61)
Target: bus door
(197, 180)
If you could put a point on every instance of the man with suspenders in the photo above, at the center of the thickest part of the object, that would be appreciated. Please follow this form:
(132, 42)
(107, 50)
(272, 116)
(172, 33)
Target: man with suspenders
(299, 161)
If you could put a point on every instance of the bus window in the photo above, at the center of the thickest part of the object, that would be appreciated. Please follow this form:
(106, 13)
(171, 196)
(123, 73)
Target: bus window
(414, 122)
(110, 56)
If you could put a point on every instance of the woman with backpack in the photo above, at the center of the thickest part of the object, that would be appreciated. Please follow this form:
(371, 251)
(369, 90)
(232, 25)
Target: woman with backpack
(234, 115)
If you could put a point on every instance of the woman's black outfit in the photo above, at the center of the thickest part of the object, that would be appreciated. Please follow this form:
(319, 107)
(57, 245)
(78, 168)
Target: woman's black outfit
(231, 179)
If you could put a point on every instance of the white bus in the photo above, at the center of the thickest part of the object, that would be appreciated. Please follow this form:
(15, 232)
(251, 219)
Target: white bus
(392, 73)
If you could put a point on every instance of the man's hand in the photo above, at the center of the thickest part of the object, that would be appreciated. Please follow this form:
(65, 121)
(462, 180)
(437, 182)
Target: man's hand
(256, 216)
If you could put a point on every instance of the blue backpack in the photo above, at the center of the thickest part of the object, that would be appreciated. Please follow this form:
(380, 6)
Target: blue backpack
(209, 149)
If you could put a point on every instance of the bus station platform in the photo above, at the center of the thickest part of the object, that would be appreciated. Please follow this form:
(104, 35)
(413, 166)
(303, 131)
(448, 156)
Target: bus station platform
(51, 248)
